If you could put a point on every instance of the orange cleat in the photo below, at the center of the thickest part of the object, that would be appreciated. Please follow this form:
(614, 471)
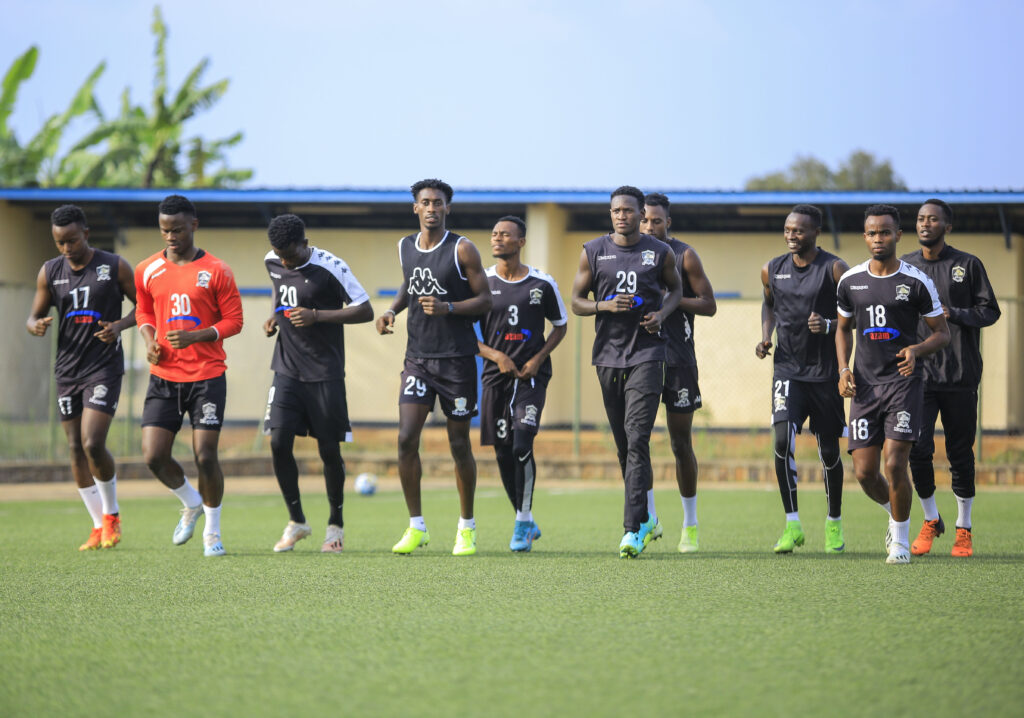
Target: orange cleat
(929, 532)
(962, 547)
(111, 531)
(94, 541)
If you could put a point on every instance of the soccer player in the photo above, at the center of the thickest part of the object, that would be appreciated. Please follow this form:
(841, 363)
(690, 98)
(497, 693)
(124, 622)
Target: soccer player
(951, 377)
(682, 394)
(88, 287)
(517, 368)
(188, 305)
(635, 285)
(315, 295)
(885, 298)
(445, 290)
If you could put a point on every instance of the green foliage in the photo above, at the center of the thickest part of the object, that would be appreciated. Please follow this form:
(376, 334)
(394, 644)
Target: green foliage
(860, 171)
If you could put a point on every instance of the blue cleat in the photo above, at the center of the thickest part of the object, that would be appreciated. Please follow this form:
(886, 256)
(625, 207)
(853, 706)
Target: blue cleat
(631, 545)
(650, 530)
(212, 546)
(522, 536)
(534, 531)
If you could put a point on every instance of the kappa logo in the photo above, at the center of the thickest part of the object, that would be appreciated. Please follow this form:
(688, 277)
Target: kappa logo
(61, 281)
(531, 415)
(423, 282)
(98, 392)
(903, 422)
(460, 406)
(902, 292)
(683, 398)
(783, 276)
(209, 414)
(203, 279)
(536, 295)
(780, 403)
(647, 258)
(958, 274)
(687, 329)
(602, 257)
(858, 286)
(103, 273)
(275, 275)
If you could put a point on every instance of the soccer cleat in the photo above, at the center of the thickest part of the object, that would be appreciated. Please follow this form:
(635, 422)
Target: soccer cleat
(889, 537)
(465, 542)
(111, 531)
(792, 537)
(962, 546)
(688, 541)
(293, 533)
(650, 530)
(930, 531)
(534, 531)
(411, 540)
(898, 553)
(93, 542)
(522, 536)
(631, 545)
(834, 542)
(212, 545)
(334, 542)
(187, 524)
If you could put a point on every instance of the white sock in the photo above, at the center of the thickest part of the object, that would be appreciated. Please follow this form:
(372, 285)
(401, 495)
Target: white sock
(888, 508)
(212, 527)
(108, 494)
(794, 516)
(835, 518)
(963, 508)
(931, 511)
(689, 510)
(467, 523)
(524, 516)
(417, 522)
(650, 506)
(901, 532)
(93, 504)
(188, 495)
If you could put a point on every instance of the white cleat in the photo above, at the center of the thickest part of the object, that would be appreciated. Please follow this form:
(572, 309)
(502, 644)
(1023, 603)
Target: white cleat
(898, 553)
(335, 540)
(293, 533)
(186, 524)
(212, 545)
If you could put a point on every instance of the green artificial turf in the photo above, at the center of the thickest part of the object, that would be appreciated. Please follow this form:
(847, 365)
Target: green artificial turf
(149, 628)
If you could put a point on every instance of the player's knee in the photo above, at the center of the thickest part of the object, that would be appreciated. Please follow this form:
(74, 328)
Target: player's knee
(461, 448)
(830, 454)
(206, 461)
(95, 449)
(895, 465)
(682, 445)
(408, 443)
(280, 444)
(330, 453)
(782, 440)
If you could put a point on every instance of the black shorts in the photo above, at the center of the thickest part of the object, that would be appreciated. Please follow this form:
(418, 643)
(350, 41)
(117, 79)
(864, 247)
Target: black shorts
(886, 411)
(167, 402)
(318, 409)
(510, 405)
(681, 394)
(103, 390)
(795, 401)
(452, 379)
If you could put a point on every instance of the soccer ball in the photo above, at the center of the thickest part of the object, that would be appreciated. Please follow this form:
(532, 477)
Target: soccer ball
(366, 484)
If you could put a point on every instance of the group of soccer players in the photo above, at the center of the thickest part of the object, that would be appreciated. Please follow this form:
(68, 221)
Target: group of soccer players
(644, 289)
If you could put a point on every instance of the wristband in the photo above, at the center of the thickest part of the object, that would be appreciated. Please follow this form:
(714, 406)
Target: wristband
(390, 311)
(451, 309)
(845, 368)
(828, 326)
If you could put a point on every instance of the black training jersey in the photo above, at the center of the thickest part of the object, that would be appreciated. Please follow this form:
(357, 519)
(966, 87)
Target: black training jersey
(515, 324)
(315, 353)
(796, 292)
(83, 298)
(436, 271)
(963, 287)
(678, 326)
(620, 341)
(886, 311)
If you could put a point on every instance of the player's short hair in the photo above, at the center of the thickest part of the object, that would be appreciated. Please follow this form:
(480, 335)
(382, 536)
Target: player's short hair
(433, 184)
(657, 199)
(809, 210)
(516, 221)
(68, 214)
(880, 210)
(286, 230)
(947, 211)
(176, 204)
(629, 191)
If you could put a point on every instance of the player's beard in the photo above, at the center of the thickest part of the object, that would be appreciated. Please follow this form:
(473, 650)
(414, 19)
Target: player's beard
(931, 241)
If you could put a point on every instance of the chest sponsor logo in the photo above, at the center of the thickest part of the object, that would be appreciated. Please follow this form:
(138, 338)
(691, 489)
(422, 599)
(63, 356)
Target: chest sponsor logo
(902, 292)
(495, 291)
(209, 414)
(881, 334)
(103, 273)
(958, 274)
(602, 257)
(536, 295)
(683, 398)
(520, 335)
(423, 282)
(98, 393)
(903, 422)
(647, 258)
(461, 406)
(783, 276)
(203, 279)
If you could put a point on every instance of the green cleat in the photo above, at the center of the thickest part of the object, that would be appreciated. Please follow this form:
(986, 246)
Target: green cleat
(688, 542)
(651, 530)
(411, 540)
(465, 542)
(834, 542)
(792, 537)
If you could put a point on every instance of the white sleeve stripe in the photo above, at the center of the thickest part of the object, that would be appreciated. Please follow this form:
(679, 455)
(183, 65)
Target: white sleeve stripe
(844, 313)
(149, 271)
(457, 267)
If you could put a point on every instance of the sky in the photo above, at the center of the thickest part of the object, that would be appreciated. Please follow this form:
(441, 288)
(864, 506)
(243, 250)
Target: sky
(693, 94)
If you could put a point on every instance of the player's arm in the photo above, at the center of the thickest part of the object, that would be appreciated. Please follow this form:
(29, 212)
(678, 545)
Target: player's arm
(352, 314)
(505, 364)
(763, 348)
(673, 282)
(936, 341)
(844, 350)
(472, 267)
(38, 321)
(818, 324)
(125, 279)
(704, 303)
(229, 302)
(386, 322)
(984, 309)
(532, 365)
(583, 283)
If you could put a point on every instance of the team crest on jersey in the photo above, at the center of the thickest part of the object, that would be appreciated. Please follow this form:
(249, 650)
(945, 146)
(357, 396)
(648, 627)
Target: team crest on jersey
(423, 282)
(536, 295)
(958, 274)
(203, 279)
(647, 258)
(902, 292)
(98, 392)
(531, 415)
(903, 422)
(209, 414)
(460, 406)
(103, 273)
(683, 398)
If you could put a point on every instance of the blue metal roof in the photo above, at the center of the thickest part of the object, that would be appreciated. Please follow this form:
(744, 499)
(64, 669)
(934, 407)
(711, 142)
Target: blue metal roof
(499, 196)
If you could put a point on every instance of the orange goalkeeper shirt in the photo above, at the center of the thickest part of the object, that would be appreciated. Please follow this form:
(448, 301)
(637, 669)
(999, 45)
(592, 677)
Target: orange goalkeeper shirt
(197, 295)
